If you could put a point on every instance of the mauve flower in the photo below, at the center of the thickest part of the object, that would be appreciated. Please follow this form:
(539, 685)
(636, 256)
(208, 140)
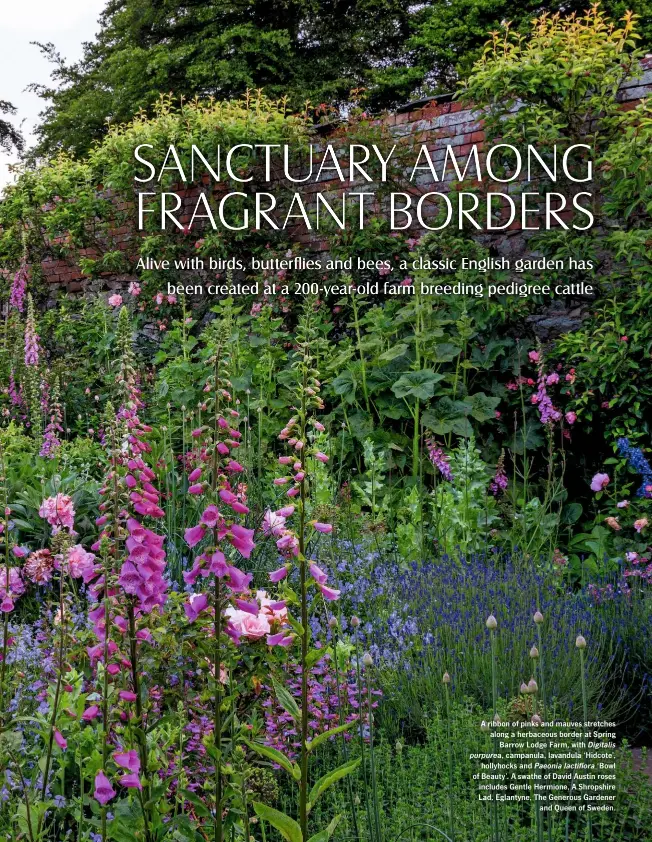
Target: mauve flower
(104, 792)
(318, 574)
(238, 581)
(59, 740)
(194, 534)
(323, 527)
(194, 475)
(280, 639)
(599, 482)
(195, 605)
(277, 575)
(127, 696)
(128, 760)
(534, 356)
(242, 539)
(59, 511)
(571, 417)
(132, 781)
(623, 504)
(91, 713)
(329, 593)
(211, 516)
(640, 524)
(286, 511)
(196, 489)
(321, 456)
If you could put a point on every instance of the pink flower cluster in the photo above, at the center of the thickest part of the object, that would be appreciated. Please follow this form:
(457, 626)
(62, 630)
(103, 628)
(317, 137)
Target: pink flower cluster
(439, 459)
(19, 288)
(59, 511)
(11, 588)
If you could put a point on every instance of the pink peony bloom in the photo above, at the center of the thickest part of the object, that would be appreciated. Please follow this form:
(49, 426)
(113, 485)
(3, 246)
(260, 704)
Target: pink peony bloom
(534, 356)
(248, 625)
(599, 482)
(115, 300)
(104, 792)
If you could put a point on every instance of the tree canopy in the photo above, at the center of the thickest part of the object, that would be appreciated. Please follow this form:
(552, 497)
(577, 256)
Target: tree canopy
(330, 52)
(10, 137)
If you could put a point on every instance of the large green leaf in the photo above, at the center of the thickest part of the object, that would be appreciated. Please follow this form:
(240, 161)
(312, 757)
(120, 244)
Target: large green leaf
(325, 834)
(445, 352)
(276, 757)
(345, 386)
(326, 735)
(448, 416)
(392, 353)
(286, 700)
(418, 384)
(286, 826)
(483, 407)
(330, 778)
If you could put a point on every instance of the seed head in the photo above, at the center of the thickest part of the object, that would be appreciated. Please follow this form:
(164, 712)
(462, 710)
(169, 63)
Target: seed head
(355, 622)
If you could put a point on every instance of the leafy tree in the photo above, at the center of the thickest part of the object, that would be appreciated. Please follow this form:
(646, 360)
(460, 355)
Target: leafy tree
(310, 50)
(446, 39)
(9, 136)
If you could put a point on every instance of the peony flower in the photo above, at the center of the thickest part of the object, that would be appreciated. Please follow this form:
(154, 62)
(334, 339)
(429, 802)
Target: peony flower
(248, 625)
(571, 417)
(599, 482)
(115, 300)
(534, 356)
